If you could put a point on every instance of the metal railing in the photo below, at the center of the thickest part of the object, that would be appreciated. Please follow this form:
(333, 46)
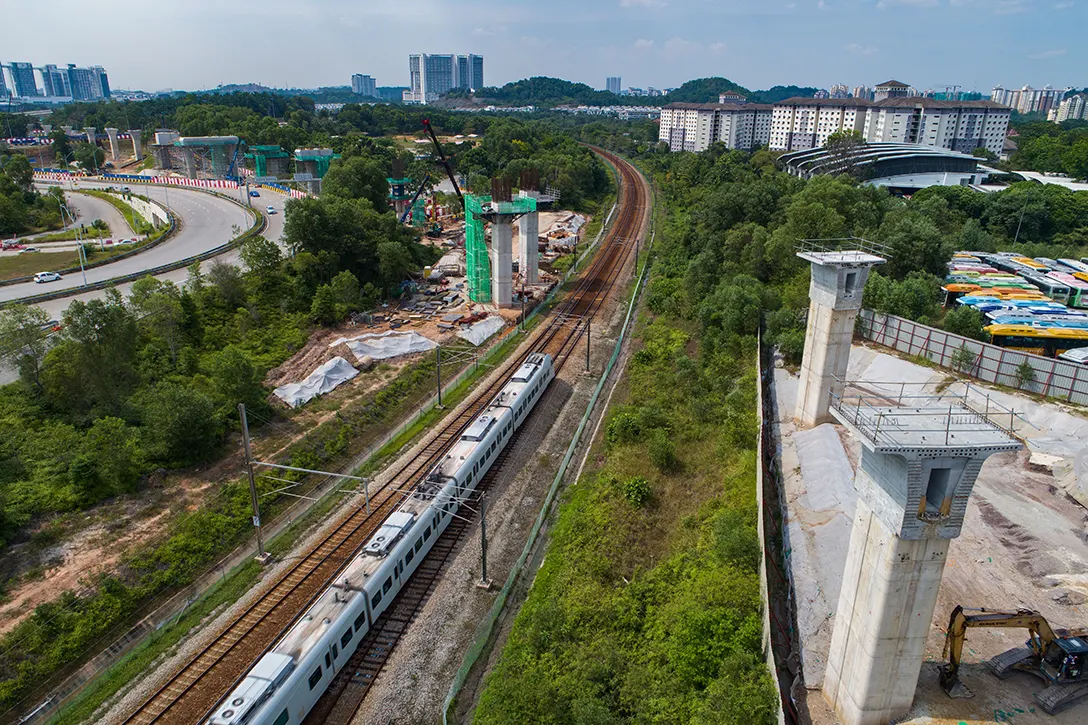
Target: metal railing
(885, 412)
(846, 246)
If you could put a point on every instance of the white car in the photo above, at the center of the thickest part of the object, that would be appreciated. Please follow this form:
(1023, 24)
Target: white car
(46, 277)
(271, 209)
(30, 250)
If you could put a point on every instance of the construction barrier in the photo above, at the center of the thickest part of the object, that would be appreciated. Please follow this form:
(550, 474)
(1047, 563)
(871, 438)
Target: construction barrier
(990, 363)
(60, 175)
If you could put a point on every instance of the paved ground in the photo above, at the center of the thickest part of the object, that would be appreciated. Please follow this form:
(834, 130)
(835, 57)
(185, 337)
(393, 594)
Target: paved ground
(86, 209)
(1024, 544)
(208, 223)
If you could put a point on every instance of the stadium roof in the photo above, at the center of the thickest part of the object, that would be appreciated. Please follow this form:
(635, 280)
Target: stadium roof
(878, 160)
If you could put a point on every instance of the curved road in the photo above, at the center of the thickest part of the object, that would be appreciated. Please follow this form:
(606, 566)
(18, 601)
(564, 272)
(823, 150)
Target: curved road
(207, 222)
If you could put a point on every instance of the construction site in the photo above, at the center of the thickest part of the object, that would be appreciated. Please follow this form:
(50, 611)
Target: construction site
(934, 532)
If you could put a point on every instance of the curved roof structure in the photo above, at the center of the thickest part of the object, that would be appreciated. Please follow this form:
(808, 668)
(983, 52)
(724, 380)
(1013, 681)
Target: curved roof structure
(877, 160)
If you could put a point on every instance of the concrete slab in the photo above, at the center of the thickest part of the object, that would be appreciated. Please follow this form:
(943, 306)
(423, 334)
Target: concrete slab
(820, 499)
(1024, 544)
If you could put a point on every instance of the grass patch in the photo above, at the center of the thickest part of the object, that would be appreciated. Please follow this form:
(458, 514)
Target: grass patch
(647, 606)
(25, 265)
(135, 221)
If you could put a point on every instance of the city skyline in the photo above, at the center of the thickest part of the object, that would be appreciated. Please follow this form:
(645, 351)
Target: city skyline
(659, 43)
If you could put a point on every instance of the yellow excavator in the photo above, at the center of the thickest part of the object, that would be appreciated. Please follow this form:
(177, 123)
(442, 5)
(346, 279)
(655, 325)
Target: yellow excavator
(1059, 657)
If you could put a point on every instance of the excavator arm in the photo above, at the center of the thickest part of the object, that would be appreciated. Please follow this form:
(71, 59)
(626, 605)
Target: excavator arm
(960, 621)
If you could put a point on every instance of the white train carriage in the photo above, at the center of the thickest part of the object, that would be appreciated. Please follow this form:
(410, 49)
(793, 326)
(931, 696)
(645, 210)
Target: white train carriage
(288, 680)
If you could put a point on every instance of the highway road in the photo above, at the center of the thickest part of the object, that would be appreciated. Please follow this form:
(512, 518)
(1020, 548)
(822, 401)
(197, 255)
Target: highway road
(207, 222)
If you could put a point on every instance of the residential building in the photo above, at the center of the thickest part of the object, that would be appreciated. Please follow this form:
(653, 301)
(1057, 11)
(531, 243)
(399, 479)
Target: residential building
(1073, 108)
(470, 72)
(865, 93)
(22, 80)
(100, 82)
(55, 82)
(364, 85)
(3, 84)
(732, 97)
(433, 76)
(1028, 99)
(798, 124)
(839, 90)
(822, 94)
(695, 126)
(891, 89)
(956, 125)
(614, 84)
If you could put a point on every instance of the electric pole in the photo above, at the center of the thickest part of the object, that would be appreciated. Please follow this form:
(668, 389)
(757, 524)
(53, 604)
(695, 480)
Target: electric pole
(261, 555)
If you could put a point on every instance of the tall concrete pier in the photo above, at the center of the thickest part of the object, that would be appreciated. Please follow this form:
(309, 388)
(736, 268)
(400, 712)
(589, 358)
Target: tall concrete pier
(528, 243)
(920, 457)
(137, 148)
(115, 143)
(502, 264)
(838, 280)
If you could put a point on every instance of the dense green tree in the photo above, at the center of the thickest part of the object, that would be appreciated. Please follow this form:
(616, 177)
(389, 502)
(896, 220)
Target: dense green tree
(358, 178)
(180, 424)
(966, 321)
(90, 156)
(24, 341)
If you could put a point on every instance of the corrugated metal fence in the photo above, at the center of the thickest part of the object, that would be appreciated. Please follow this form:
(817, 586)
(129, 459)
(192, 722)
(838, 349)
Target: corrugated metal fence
(990, 363)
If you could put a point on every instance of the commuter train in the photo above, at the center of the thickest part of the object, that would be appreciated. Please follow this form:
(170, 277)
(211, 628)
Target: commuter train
(287, 681)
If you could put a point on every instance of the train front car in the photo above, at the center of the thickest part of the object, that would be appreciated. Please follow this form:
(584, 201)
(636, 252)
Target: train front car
(287, 681)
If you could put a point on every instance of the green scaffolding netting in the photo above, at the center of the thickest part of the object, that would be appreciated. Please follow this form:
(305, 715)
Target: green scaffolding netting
(419, 213)
(476, 260)
(477, 265)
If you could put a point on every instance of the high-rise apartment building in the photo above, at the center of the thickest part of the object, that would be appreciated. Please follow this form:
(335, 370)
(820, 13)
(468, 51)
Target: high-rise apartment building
(364, 85)
(88, 84)
(614, 84)
(839, 91)
(55, 81)
(433, 76)
(470, 72)
(798, 124)
(22, 80)
(3, 84)
(1073, 108)
(865, 93)
(1028, 99)
(957, 125)
(694, 126)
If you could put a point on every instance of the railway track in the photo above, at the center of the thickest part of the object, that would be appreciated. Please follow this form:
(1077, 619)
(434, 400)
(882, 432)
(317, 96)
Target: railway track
(191, 694)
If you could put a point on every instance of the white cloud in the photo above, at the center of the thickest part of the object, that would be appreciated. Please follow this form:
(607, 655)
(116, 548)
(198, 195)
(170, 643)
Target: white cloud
(641, 3)
(1064, 5)
(859, 49)
(718, 47)
(821, 5)
(1044, 55)
(678, 47)
(644, 44)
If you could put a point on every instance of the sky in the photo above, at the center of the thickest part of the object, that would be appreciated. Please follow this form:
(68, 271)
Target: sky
(196, 44)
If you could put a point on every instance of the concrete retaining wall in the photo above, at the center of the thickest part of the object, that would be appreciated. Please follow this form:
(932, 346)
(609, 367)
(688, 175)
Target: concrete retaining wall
(150, 210)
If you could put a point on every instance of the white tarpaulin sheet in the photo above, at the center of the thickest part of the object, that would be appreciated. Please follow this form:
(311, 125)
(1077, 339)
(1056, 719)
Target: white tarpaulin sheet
(478, 332)
(386, 345)
(320, 381)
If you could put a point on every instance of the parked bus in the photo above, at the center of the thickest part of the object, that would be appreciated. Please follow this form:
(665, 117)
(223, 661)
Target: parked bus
(1052, 288)
(1078, 288)
(1048, 341)
(1072, 265)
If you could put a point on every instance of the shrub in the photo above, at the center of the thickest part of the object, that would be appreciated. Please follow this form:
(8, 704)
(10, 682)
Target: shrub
(791, 344)
(1025, 374)
(623, 428)
(637, 491)
(662, 451)
(966, 322)
(963, 359)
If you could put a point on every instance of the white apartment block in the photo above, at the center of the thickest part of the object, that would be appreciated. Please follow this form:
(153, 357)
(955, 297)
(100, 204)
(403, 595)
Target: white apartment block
(961, 126)
(1074, 108)
(1028, 99)
(799, 124)
(695, 126)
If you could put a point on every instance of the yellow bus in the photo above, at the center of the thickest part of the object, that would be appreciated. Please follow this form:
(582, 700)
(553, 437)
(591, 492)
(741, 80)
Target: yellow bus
(1048, 341)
